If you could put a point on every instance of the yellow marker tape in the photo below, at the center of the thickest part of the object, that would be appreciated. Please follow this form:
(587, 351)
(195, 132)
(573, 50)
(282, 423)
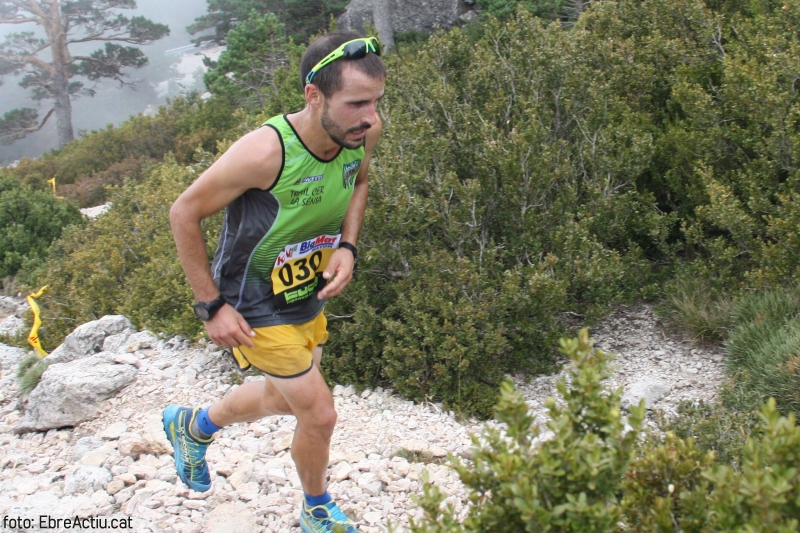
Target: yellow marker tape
(33, 338)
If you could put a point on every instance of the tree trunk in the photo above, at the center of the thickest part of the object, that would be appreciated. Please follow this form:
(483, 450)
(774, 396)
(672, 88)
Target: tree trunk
(63, 113)
(55, 27)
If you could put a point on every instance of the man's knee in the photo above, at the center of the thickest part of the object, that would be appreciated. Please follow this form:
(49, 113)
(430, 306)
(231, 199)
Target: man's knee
(321, 420)
(328, 419)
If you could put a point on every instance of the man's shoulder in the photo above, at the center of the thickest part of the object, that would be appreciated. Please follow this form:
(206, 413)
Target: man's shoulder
(260, 146)
(254, 160)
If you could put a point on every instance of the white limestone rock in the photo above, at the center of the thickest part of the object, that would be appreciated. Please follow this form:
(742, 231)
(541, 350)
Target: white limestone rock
(11, 325)
(87, 480)
(9, 359)
(88, 338)
(71, 393)
(649, 390)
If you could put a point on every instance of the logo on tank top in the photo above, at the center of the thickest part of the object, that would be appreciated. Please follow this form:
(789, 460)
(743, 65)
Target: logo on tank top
(309, 179)
(349, 173)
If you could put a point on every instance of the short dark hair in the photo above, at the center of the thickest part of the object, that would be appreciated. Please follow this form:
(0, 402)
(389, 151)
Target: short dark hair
(329, 79)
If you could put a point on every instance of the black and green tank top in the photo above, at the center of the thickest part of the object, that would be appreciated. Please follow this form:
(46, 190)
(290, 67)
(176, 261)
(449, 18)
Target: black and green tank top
(275, 243)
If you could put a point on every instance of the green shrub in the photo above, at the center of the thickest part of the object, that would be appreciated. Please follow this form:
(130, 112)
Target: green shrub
(124, 262)
(593, 474)
(255, 49)
(665, 489)
(29, 221)
(765, 497)
(676, 486)
(719, 428)
(548, 9)
(451, 333)
(29, 372)
(568, 482)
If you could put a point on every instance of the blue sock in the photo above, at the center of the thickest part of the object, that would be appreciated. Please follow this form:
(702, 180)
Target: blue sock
(322, 499)
(203, 427)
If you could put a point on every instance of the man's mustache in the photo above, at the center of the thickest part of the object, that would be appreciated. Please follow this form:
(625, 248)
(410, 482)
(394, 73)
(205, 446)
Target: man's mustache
(360, 127)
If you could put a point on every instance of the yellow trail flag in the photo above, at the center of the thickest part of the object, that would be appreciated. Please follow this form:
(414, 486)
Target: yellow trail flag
(33, 338)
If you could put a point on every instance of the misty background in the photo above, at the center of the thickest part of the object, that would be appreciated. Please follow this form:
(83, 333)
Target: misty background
(166, 76)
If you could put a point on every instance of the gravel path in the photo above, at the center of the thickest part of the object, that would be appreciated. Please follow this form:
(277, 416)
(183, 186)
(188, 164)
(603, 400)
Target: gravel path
(117, 465)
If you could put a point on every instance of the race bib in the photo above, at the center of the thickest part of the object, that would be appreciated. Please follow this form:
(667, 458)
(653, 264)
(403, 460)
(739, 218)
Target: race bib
(295, 272)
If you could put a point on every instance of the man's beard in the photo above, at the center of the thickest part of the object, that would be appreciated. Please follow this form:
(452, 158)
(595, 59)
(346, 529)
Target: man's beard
(338, 135)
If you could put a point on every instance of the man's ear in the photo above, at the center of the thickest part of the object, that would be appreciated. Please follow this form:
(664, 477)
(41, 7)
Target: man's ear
(313, 95)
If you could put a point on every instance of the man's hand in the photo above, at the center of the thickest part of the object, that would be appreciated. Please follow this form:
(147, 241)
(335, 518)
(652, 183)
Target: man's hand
(228, 328)
(340, 268)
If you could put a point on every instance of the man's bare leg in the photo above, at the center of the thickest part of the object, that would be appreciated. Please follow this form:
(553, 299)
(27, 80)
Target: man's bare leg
(254, 400)
(311, 401)
(308, 398)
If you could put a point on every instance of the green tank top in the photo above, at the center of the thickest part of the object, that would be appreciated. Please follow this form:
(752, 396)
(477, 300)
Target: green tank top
(276, 243)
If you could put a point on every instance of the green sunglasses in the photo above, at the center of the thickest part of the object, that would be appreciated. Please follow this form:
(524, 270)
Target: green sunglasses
(355, 49)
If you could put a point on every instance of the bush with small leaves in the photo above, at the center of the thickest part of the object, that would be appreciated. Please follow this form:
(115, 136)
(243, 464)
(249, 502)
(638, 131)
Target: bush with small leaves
(30, 220)
(124, 262)
(765, 497)
(523, 481)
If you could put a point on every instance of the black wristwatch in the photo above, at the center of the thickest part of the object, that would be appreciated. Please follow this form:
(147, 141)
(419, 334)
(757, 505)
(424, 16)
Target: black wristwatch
(347, 246)
(206, 310)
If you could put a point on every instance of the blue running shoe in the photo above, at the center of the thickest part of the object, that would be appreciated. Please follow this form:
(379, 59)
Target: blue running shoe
(190, 452)
(326, 518)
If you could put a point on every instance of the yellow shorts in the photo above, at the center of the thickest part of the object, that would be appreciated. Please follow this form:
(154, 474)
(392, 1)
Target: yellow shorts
(283, 351)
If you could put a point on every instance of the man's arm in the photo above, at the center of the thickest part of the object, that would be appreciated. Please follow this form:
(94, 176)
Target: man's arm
(342, 261)
(251, 162)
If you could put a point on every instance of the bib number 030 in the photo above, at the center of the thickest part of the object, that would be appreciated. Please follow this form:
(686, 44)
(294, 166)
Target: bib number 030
(296, 268)
(300, 270)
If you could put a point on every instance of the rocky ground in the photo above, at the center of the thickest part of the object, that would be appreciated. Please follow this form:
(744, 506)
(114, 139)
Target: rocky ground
(118, 465)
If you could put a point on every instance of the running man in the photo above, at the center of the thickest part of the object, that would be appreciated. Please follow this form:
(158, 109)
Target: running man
(295, 191)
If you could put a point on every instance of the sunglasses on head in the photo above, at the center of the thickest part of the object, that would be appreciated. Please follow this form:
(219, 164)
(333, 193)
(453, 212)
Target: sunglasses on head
(355, 49)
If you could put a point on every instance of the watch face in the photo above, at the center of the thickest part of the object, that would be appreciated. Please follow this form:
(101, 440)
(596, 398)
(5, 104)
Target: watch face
(201, 312)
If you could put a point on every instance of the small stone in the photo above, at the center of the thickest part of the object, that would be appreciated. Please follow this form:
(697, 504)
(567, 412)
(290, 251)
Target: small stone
(114, 431)
(115, 486)
(143, 471)
(649, 390)
(277, 476)
(96, 458)
(438, 451)
(373, 517)
(242, 474)
(248, 491)
(342, 471)
(194, 504)
(282, 444)
(224, 469)
(131, 445)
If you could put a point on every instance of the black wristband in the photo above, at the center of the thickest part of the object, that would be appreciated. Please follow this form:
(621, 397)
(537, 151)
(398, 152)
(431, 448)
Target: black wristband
(347, 246)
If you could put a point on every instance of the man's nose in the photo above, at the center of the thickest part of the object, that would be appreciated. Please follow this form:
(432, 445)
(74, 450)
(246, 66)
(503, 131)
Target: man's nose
(371, 115)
